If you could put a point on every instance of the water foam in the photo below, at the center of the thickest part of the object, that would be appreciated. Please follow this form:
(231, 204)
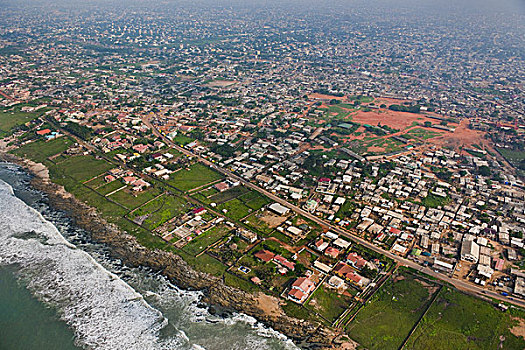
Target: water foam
(103, 311)
(102, 308)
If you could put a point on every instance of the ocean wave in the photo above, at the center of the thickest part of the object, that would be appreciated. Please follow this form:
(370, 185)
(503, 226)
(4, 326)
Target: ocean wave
(103, 311)
(111, 306)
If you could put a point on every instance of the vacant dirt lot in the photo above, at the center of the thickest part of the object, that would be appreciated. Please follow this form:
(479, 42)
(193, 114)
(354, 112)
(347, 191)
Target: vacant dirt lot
(395, 120)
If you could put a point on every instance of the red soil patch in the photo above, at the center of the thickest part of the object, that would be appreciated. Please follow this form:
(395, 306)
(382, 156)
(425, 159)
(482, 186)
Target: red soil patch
(375, 149)
(463, 136)
(325, 97)
(395, 120)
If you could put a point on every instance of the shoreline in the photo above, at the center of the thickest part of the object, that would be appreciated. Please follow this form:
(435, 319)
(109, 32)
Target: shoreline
(124, 246)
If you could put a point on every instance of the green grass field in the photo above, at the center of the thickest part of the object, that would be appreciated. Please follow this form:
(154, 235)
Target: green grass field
(83, 168)
(257, 224)
(422, 133)
(392, 312)
(161, 210)
(235, 209)
(132, 199)
(199, 243)
(460, 322)
(182, 140)
(513, 156)
(10, 120)
(40, 150)
(328, 303)
(107, 188)
(227, 195)
(197, 175)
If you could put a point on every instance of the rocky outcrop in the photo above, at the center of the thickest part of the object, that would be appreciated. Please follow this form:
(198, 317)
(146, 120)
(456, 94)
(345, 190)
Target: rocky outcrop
(126, 248)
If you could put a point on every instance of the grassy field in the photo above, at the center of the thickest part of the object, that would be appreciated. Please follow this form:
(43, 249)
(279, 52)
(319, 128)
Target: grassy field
(132, 199)
(254, 200)
(328, 303)
(197, 175)
(392, 312)
(227, 195)
(83, 168)
(235, 209)
(182, 140)
(254, 222)
(161, 210)
(458, 321)
(422, 133)
(199, 243)
(10, 120)
(107, 188)
(513, 156)
(40, 150)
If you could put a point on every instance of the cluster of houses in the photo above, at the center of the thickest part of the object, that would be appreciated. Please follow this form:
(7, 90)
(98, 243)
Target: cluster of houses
(128, 177)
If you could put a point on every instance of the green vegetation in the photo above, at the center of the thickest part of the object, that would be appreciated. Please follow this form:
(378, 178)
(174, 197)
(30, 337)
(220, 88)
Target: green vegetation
(515, 157)
(39, 151)
(182, 140)
(107, 188)
(161, 210)
(402, 108)
(391, 313)
(227, 195)
(328, 303)
(257, 224)
(205, 239)
(237, 282)
(195, 176)
(459, 321)
(422, 133)
(83, 168)
(11, 120)
(134, 199)
(235, 209)
(203, 263)
(433, 201)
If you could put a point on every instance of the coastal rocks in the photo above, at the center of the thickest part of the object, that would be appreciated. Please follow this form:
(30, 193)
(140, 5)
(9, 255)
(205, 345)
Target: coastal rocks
(124, 246)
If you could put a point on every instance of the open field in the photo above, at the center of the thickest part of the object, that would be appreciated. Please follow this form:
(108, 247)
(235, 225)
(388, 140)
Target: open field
(459, 321)
(204, 240)
(107, 188)
(40, 150)
(235, 209)
(395, 120)
(83, 168)
(392, 312)
(422, 133)
(328, 303)
(195, 176)
(512, 156)
(182, 140)
(227, 195)
(133, 199)
(254, 222)
(161, 210)
(10, 120)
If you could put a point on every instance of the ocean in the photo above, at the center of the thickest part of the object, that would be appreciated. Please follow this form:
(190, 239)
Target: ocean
(60, 290)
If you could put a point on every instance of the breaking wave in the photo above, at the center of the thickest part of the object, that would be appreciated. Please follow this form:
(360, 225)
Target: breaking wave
(124, 309)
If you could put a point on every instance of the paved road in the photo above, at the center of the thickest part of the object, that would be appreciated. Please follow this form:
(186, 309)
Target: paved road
(465, 286)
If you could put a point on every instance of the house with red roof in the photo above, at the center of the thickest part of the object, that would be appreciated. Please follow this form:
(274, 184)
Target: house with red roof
(264, 255)
(281, 260)
(43, 132)
(332, 252)
(300, 290)
(349, 274)
(356, 261)
(140, 148)
(394, 231)
(128, 180)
